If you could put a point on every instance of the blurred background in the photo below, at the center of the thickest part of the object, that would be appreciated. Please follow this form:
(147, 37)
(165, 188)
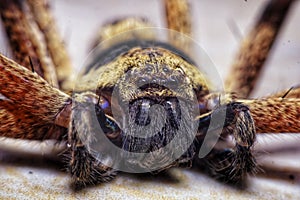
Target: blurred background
(218, 27)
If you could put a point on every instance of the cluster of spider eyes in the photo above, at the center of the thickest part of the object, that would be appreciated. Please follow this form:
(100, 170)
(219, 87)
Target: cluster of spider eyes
(151, 75)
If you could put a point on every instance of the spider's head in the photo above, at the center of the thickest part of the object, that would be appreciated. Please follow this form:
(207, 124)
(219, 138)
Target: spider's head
(157, 108)
(152, 107)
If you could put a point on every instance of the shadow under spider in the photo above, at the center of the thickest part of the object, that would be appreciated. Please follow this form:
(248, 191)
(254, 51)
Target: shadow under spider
(170, 176)
(19, 159)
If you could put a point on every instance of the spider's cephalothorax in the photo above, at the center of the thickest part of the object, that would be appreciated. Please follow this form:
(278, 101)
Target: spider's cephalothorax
(153, 100)
(157, 102)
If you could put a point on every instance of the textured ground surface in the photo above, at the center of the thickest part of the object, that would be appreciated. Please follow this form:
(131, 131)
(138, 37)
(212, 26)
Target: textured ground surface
(34, 177)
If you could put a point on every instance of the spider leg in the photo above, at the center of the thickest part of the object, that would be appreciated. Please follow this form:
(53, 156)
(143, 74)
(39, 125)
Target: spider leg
(41, 13)
(48, 115)
(29, 106)
(88, 163)
(34, 40)
(27, 43)
(230, 163)
(178, 19)
(85, 170)
(270, 115)
(275, 115)
(255, 48)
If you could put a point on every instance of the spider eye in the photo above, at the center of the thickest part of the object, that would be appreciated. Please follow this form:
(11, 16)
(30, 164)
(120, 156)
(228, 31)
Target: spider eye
(107, 124)
(103, 103)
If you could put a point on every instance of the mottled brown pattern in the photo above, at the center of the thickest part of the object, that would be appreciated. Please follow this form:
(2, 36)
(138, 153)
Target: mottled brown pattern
(30, 106)
(270, 114)
(255, 49)
(275, 115)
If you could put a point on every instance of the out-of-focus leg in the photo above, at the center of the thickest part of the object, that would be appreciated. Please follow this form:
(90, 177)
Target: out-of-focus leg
(255, 48)
(178, 18)
(26, 41)
(54, 43)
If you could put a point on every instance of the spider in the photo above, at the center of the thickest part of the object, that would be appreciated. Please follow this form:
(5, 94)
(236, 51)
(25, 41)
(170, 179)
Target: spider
(137, 79)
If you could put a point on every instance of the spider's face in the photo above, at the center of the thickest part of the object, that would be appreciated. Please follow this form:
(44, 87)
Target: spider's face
(158, 107)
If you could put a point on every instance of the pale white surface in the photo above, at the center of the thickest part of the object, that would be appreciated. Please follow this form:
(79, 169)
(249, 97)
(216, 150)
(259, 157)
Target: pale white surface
(35, 178)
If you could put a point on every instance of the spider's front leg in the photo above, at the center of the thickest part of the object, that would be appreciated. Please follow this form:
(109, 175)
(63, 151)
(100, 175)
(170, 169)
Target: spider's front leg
(89, 131)
(228, 163)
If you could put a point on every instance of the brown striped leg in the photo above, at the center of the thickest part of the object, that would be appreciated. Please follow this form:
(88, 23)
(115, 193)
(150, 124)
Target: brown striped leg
(270, 115)
(27, 43)
(55, 46)
(255, 48)
(232, 161)
(30, 108)
(179, 19)
(275, 115)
